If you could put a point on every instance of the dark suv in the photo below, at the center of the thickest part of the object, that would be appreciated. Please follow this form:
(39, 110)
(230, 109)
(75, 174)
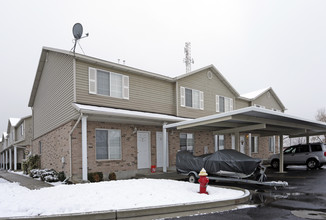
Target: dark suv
(312, 155)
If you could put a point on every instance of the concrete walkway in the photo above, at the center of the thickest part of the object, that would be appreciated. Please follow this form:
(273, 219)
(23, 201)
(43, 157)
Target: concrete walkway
(28, 182)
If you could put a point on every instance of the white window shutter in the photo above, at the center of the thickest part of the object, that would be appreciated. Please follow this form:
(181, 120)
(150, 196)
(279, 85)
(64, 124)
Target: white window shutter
(125, 87)
(201, 100)
(92, 80)
(182, 96)
(217, 103)
(231, 104)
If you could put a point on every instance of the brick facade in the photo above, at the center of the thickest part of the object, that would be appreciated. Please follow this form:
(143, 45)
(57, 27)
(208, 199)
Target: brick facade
(55, 146)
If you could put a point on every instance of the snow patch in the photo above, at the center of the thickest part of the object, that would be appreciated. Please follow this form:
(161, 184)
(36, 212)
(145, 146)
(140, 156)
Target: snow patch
(104, 196)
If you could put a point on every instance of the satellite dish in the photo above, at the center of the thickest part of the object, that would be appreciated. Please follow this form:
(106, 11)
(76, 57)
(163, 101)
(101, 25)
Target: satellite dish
(77, 31)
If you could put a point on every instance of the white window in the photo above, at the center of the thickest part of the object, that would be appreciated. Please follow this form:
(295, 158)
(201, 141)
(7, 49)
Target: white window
(221, 142)
(187, 142)
(271, 144)
(191, 98)
(254, 144)
(223, 104)
(108, 144)
(108, 83)
(233, 142)
(21, 128)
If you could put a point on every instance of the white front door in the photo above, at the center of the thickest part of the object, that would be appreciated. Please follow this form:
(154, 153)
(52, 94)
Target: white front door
(242, 144)
(143, 150)
(159, 149)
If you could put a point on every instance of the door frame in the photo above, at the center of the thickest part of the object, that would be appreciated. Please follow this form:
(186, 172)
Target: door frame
(149, 149)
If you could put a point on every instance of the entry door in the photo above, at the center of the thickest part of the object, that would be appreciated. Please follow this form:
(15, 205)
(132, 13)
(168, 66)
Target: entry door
(159, 149)
(242, 144)
(143, 150)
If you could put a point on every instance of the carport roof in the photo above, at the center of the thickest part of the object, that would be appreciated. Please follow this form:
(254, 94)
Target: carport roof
(254, 120)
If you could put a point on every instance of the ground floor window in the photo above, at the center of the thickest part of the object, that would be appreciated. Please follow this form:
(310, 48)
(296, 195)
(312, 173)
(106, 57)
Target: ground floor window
(221, 142)
(187, 142)
(108, 144)
(271, 144)
(254, 144)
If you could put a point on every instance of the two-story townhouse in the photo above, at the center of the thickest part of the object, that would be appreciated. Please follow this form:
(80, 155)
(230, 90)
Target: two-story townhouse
(93, 115)
(19, 136)
(4, 154)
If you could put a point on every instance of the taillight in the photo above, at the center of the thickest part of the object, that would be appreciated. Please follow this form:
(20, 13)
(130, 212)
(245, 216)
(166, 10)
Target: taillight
(325, 154)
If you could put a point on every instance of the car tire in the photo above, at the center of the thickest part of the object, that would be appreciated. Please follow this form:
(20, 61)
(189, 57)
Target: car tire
(312, 164)
(192, 178)
(275, 164)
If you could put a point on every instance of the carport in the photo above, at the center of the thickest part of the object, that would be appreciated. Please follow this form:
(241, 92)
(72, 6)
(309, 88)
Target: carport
(255, 120)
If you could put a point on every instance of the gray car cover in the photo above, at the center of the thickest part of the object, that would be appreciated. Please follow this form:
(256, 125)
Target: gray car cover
(223, 160)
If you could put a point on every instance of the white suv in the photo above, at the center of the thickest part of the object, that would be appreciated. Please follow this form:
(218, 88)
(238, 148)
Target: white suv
(312, 155)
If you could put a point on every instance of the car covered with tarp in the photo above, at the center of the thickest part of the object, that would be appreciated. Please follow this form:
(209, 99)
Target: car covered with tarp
(228, 163)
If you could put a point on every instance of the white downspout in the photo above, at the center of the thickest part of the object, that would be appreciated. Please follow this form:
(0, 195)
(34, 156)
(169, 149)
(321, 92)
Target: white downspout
(164, 149)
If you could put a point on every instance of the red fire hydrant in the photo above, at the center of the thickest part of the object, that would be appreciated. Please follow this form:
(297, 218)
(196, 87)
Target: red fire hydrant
(203, 181)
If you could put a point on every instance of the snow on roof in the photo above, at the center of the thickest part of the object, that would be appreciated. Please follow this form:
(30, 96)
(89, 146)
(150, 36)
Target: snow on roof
(254, 94)
(14, 121)
(90, 109)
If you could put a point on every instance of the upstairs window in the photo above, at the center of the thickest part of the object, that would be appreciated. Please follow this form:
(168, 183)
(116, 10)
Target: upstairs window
(192, 98)
(223, 104)
(21, 128)
(108, 83)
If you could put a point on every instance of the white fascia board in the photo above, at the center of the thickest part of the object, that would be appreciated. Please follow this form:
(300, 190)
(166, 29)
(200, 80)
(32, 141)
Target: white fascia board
(242, 111)
(95, 110)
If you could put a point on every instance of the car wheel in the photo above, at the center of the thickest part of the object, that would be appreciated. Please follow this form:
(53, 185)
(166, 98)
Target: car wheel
(192, 178)
(275, 164)
(312, 164)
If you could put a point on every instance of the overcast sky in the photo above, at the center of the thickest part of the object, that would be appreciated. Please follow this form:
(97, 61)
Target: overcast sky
(254, 44)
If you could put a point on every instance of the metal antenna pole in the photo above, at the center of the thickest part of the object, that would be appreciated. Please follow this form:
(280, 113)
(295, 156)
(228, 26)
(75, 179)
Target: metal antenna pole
(188, 60)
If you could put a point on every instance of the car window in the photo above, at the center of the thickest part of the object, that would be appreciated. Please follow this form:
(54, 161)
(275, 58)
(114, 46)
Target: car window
(289, 150)
(302, 149)
(316, 148)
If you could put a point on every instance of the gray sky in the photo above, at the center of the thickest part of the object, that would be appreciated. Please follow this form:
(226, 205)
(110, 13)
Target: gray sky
(254, 44)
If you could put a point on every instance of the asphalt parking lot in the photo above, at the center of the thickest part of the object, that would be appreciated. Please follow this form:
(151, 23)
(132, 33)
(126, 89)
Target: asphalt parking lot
(304, 198)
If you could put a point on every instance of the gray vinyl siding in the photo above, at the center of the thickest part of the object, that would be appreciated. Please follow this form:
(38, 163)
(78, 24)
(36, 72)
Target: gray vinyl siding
(25, 139)
(145, 93)
(268, 101)
(210, 87)
(241, 104)
(53, 100)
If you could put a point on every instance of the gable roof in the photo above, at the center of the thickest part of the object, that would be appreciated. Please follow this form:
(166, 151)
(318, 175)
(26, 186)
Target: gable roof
(216, 72)
(251, 96)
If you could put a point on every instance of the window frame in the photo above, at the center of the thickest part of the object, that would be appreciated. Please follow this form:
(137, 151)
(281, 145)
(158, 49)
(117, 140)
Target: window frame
(254, 144)
(108, 145)
(93, 85)
(188, 143)
(271, 144)
(195, 94)
(227, 102)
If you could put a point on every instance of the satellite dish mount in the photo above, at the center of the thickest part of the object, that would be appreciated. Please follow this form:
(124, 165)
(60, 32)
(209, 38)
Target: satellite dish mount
(77, 31)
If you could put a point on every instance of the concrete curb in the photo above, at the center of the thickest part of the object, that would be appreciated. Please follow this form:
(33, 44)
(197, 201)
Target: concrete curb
(153, 212)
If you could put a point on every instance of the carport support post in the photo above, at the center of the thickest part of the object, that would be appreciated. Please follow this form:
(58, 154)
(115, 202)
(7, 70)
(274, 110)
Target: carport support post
(281, 165)
(6, 162)
(10, 160)
(84, 148)
(15, 157)
(165, 149)
(307, 139)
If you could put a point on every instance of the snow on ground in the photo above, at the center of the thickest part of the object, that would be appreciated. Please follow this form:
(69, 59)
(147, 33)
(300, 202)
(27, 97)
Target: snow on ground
(113, 195)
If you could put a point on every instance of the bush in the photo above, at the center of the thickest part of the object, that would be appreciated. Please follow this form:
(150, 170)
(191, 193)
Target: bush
(25, 167)
(95, 177)
(31, 163)
(45, 175)
(61, 176)
(112, 176)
